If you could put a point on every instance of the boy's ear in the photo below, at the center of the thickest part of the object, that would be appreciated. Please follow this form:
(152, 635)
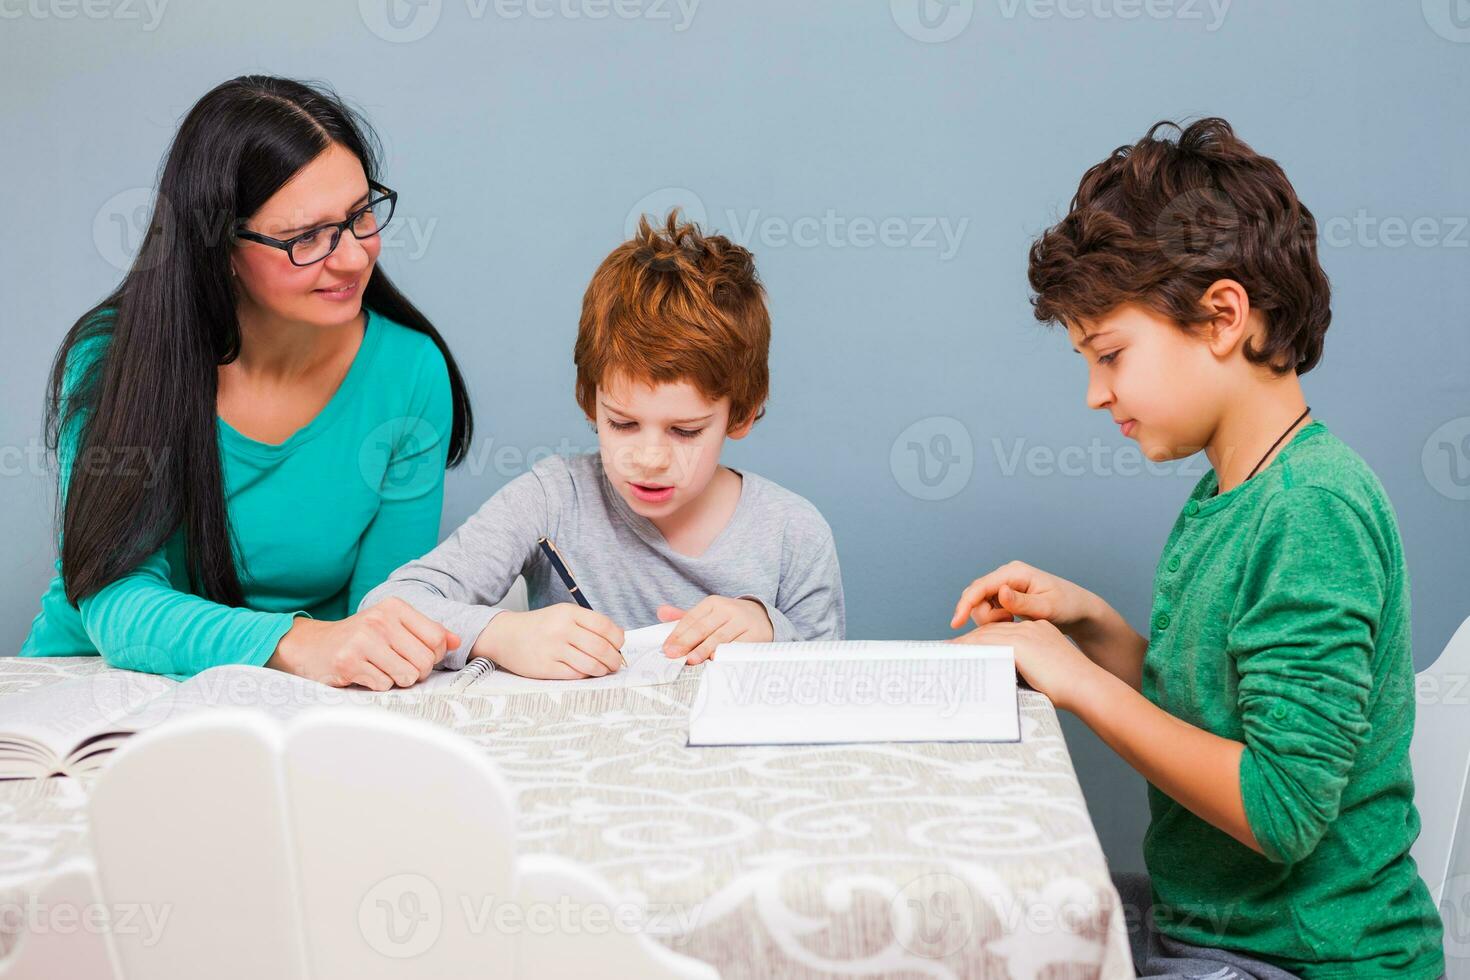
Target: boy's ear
(742, 430)
(1229, 308)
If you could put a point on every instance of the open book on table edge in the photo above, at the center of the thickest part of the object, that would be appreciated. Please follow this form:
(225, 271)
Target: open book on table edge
(844, 692)
(69, 727)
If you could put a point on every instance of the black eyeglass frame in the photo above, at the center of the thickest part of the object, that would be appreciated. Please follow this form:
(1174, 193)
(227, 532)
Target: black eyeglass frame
(337, 227)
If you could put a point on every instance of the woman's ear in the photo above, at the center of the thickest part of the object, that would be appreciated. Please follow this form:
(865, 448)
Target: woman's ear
(1229, 309)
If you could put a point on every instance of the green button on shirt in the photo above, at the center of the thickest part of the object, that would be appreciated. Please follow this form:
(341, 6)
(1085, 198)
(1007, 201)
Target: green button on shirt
(1281, 620)
(319, 520)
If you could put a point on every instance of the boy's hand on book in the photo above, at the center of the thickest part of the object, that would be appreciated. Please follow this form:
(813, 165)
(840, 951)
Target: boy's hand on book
(385, 645)
(561, 642)
(1045, 658)
(1018, 590)
(712, 621)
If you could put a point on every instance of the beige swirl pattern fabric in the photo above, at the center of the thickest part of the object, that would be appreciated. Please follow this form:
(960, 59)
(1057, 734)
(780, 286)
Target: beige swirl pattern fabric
(893, 860)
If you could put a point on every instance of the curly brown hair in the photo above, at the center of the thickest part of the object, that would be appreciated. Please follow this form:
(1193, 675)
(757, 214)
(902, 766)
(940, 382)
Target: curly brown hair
(1157, 222)
(675, 304)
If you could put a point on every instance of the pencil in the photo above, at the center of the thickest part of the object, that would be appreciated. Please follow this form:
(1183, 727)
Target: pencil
(565, 574)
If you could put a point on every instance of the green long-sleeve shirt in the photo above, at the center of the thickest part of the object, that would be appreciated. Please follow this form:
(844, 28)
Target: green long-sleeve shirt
(318, 520)
(1281, 620)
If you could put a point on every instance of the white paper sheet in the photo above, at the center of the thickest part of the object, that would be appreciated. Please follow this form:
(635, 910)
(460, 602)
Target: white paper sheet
(643, 649)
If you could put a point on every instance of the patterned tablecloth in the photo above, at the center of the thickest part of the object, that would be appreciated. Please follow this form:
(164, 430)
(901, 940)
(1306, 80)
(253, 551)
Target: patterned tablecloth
(895, 860)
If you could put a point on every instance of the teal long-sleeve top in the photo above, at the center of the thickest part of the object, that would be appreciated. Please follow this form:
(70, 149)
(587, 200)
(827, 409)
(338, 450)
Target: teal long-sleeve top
(318, 520)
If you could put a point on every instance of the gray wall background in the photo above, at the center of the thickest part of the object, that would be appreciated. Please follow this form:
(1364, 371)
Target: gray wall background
(888, 163)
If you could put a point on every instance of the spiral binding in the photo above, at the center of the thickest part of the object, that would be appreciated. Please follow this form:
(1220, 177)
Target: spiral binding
(477, 667)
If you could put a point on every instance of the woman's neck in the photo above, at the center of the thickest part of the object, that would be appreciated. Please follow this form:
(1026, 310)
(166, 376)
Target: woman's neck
(1251, 425)
(275, 347)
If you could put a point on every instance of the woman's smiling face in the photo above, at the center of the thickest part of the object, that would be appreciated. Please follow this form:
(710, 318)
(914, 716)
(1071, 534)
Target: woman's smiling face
(326, 293)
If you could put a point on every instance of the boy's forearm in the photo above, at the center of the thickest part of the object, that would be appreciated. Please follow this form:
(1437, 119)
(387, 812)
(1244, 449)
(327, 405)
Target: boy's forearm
(1112, 644)
(1197, 769)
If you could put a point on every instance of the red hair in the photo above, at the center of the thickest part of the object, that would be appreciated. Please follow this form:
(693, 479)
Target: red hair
(673, 304)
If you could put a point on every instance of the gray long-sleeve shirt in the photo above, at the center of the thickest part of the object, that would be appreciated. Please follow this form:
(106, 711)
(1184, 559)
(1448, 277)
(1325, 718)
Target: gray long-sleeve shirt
(776, 549)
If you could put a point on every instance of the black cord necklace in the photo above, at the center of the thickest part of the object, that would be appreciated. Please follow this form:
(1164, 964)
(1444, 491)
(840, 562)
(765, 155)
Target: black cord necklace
(1273, 446)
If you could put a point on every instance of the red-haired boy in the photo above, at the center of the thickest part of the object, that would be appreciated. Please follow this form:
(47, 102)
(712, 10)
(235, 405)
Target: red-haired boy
(671, 361)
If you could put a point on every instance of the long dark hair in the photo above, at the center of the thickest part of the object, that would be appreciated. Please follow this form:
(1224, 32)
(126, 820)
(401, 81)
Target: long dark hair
(172, 322)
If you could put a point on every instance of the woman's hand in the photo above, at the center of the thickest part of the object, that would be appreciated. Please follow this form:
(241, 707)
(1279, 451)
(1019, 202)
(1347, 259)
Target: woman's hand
(712, 621)
(1046, 659)
(388, 644)
(1017, 589)
(560, 642)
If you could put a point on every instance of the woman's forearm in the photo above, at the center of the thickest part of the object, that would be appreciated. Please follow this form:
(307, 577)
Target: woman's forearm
(141, 622)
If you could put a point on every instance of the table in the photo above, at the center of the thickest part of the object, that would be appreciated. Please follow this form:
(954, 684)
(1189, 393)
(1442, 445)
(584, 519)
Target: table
(912, 860)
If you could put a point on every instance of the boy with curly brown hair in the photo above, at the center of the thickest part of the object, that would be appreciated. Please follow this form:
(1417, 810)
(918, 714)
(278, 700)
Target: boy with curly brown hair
(1271, 704)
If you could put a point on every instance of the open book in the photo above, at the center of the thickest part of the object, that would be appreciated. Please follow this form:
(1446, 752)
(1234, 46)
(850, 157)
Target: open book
(643, 649)
(855, 691)
(70, 727)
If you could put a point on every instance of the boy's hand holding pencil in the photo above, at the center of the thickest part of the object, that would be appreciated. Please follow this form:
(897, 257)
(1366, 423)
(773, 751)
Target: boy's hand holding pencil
(560, 642)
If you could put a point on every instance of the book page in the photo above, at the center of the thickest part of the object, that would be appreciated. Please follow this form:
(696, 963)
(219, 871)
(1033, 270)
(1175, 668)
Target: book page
(276, 693)
(59, 716)
(870, 691)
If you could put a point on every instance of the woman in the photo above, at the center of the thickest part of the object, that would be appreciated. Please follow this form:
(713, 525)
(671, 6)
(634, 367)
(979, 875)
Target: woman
(252, 430)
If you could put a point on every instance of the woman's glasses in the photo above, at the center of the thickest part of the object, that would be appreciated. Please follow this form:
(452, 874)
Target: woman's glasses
(312, 246)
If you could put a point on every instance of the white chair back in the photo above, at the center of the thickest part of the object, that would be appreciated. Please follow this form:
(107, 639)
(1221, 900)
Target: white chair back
(349, 842)
(1440, 753)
